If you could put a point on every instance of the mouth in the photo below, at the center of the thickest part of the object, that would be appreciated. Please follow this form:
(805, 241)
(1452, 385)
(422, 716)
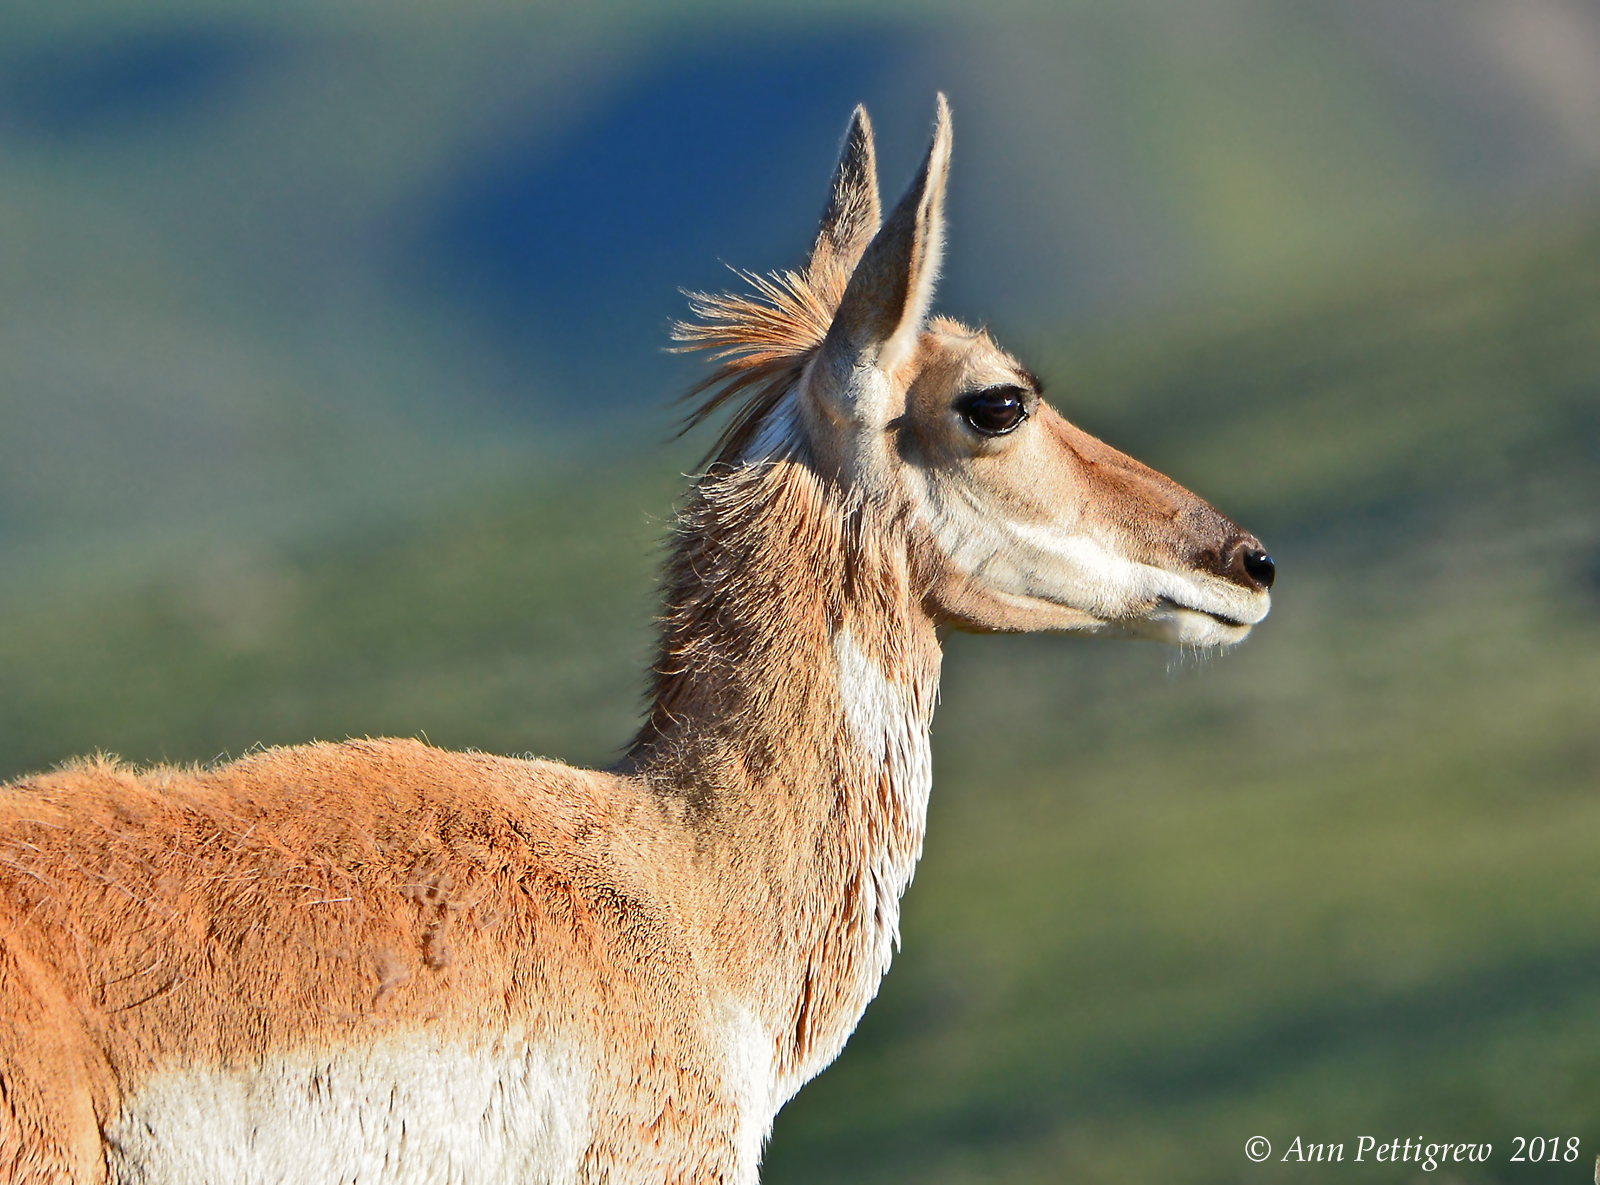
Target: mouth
(1221, 602)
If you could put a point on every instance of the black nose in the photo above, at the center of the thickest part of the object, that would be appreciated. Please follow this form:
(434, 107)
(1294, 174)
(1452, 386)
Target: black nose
(1259, 567)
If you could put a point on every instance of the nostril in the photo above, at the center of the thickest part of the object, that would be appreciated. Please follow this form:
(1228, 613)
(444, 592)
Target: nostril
(1259, 567)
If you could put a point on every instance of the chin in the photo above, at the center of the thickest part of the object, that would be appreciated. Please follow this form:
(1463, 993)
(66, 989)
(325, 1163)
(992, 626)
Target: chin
(1188, 629)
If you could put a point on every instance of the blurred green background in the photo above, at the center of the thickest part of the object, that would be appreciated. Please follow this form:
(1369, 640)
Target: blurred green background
(332, 403)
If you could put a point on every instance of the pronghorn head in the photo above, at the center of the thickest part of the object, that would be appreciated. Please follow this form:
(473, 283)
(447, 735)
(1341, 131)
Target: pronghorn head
(1019, 521)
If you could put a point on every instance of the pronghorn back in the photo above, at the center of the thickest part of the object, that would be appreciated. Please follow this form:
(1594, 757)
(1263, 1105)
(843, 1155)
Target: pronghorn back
(379, 961)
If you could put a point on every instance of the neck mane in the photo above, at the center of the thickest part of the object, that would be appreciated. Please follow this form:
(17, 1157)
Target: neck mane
(791, 705)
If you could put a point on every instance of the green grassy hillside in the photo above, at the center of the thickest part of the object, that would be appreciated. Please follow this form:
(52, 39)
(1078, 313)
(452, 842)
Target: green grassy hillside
(516, 620)
(1339, 882)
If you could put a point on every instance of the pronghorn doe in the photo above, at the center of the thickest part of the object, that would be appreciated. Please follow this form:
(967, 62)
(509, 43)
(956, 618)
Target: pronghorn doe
(378, 961)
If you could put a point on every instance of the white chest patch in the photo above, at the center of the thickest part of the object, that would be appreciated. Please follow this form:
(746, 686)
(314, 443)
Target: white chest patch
(409, 1108)
(749, 1074)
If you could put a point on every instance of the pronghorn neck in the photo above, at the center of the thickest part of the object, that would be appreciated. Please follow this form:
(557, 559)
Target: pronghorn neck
(793, 698)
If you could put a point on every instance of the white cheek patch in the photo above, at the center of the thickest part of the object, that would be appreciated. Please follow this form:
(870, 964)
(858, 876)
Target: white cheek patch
(1063, 564)
(1033, 560)
(411, 1108)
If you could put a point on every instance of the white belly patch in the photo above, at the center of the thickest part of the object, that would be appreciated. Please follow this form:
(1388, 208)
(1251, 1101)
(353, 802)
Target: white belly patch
(407, 1108)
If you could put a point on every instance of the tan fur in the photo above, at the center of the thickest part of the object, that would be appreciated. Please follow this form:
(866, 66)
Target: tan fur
(316, 895)
(738, 874)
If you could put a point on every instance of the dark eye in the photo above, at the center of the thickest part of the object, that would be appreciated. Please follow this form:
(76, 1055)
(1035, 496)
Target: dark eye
(994, 411)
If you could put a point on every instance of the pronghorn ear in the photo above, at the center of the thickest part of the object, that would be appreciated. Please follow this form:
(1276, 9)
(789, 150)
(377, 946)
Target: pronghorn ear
(887, 299)
(852, 216)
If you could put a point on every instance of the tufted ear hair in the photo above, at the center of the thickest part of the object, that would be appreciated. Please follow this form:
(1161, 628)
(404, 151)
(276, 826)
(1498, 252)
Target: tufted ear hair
(886, 301)
(852, 216)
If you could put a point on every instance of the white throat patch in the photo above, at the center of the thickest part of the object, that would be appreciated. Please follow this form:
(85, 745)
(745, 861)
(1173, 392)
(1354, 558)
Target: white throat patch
(888, 724)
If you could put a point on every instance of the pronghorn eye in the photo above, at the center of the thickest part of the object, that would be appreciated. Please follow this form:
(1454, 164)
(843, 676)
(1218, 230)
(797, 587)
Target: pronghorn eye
(994, 411)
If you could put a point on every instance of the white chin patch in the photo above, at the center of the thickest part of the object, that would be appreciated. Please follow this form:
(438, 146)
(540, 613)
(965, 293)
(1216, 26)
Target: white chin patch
(1188, 628)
